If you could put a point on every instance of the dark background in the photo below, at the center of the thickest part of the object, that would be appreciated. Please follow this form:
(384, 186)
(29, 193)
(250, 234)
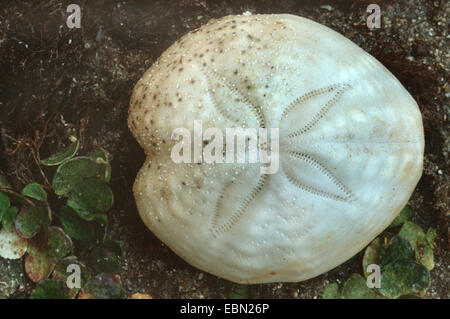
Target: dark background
(56, 83)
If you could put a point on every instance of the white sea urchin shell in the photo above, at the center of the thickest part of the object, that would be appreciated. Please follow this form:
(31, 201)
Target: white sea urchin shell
(351, 148)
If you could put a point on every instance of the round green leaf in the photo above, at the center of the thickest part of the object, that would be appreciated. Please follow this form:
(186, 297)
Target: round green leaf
(29, 221)
(4, 202)
(397, 249)
(89, 229)
(62, 156)
(404, 277)
(331, 291)
(9, 216)
(50, 289)
(34, 190)
(91, 196)
(75, 226)
(356, 288)
(59, 244)
(413, 233)
(38, 264)
(72, 172)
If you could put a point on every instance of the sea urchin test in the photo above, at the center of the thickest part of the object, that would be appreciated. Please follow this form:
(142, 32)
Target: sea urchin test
(350, 148)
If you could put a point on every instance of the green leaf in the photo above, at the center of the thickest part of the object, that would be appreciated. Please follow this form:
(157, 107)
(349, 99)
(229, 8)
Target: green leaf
(356, 288)
(44, 251)
(413, 233)
(103, 260)
(38, 264)
(59, 244)
(18, 199)
(397, 249)
(404, 277)
(431, 237)
(238, 292)
(402, 217)
(372, 255)
(29, 221)
(9, 216)
(4, 202)
(50, 289)
(98, 227)
(331, 291)
(62, 156)
(34, 190)
(91, 196)
(103, 286)
(72, 172)
(75, 226)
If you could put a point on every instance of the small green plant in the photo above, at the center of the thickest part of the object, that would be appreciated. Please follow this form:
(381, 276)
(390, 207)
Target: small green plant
(404, 253)
(50, 237)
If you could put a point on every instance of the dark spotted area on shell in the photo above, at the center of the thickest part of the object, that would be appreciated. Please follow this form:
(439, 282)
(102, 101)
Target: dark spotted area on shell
(351, 148)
